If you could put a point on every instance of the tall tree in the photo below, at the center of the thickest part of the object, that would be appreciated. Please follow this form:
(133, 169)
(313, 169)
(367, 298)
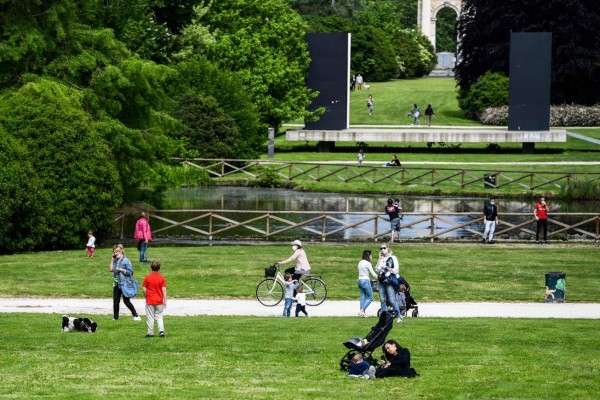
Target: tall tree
(484, 28)
(263, 42)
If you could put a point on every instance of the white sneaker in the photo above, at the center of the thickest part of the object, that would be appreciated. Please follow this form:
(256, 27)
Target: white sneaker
(137, 318)
(399, 320)
(361, 313)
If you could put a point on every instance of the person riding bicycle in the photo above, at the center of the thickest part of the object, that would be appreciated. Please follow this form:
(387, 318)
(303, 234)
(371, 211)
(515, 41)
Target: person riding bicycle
(302, 265)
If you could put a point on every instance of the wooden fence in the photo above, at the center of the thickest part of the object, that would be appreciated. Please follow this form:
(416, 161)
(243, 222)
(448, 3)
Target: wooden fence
(342, 225)
(461, 177)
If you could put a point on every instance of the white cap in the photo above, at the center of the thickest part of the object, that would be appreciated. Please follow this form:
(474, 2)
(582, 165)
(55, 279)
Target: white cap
(297, 243)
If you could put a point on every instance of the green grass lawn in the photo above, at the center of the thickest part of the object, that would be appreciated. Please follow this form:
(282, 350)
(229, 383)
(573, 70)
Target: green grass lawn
(277, 358)
(394, 99)
(436, 272)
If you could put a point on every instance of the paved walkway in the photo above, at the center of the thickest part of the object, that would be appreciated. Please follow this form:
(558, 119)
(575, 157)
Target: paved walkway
(183, 307)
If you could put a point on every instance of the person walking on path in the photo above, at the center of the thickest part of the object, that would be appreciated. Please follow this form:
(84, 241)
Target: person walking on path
(300, 299)
(393, 211)
(490, 219)
(155, 290)
(361, 157)
(541, 216)
(364, 282)
(120, 267)
(302, 265)
(416, 115)
(388, 269)
(289, 294)
(370, 104)
(143, 234)
(429, 114)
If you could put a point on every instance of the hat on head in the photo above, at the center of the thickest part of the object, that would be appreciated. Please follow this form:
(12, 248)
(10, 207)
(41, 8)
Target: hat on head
(297, 242)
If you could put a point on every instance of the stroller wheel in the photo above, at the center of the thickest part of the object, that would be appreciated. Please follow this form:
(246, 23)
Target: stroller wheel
(415, 313)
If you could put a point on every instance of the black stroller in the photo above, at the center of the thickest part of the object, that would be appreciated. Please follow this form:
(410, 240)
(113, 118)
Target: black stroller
(409, 300)
(375, 339)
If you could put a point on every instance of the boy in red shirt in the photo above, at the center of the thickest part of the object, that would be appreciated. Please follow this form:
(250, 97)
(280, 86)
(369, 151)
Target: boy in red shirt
(541, 216)
(155, 289)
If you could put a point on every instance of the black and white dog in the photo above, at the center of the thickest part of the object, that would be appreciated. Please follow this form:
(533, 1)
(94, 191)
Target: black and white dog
(70, 324)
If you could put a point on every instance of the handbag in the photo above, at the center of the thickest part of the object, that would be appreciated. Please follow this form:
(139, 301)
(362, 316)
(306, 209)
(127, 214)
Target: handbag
(129, 287)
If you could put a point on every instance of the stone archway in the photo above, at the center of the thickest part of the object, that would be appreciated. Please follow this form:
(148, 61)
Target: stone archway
(427, 11)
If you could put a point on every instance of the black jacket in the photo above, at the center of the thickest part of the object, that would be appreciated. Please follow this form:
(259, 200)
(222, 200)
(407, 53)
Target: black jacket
(491, 212)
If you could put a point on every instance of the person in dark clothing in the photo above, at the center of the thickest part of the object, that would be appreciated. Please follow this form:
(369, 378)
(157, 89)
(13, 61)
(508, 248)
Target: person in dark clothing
(394, 162)
(393, 211)
(429, 114)
(490, 219)
(397, 361)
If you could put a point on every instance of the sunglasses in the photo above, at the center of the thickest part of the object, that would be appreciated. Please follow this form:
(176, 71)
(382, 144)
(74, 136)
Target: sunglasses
(383, 248)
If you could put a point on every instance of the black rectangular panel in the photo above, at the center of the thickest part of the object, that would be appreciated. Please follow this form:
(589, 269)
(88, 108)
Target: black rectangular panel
(529, 87)
(329, 74)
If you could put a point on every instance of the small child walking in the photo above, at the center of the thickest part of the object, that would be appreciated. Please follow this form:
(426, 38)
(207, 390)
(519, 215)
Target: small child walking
(91, 245)
(300, 300)
(155, 289)
(361, 157)
(289, 294)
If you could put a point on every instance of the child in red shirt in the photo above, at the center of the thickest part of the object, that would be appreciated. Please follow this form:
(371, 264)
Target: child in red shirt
(155, 289)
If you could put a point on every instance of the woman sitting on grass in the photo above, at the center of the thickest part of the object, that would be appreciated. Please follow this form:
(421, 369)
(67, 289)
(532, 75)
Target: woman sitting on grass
(397, 361)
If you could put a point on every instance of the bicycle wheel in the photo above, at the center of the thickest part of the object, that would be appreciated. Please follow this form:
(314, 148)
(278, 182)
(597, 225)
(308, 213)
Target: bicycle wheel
(269, 292)
(315, 290)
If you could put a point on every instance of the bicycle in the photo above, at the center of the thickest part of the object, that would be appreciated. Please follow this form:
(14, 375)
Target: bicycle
(270, 291)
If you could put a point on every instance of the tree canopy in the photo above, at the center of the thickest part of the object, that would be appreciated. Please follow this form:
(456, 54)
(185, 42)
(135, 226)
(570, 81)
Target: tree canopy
(484, 29)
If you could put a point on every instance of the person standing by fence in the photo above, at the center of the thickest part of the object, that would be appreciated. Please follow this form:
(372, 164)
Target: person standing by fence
(490, 219)
(541, 216)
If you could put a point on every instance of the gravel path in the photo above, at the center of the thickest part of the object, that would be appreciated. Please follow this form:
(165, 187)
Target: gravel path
(183, 307)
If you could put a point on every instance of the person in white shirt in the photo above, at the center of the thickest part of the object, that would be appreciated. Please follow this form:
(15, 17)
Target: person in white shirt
(364, 282)
(300, 299)
(91, 245)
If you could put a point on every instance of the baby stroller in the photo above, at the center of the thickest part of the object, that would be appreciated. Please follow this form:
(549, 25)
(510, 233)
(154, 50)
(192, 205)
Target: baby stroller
(405, 304)
(375, 339)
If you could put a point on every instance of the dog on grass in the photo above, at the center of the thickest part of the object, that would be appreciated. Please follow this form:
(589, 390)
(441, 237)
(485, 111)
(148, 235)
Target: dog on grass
(78, 324)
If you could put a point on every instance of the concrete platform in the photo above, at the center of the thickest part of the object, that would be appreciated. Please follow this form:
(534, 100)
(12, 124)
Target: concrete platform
(428, 134)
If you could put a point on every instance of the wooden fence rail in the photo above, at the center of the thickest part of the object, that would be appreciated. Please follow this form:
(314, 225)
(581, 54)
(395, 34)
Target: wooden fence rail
(342, 225)
(490, 178)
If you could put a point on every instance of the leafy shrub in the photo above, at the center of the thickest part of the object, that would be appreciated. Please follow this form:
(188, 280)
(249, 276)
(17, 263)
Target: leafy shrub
(268, 178)
(78, 181)
(415, 55)
(490, 90)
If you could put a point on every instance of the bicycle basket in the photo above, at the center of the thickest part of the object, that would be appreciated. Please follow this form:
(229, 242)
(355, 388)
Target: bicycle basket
(271, 271)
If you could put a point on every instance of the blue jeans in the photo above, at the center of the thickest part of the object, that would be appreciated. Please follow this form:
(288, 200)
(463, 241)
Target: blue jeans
(287, 307)
(143, 251)
(366, 293)
(387, 291)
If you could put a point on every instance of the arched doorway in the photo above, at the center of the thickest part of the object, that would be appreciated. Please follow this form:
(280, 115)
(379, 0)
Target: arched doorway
(427, 12)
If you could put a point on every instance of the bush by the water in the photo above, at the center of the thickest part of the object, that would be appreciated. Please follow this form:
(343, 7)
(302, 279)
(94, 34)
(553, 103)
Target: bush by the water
(560, 115)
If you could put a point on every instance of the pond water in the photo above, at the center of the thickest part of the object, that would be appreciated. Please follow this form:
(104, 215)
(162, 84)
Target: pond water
(261, 199)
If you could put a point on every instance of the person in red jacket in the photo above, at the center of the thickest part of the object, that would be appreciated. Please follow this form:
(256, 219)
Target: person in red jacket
(143, 234)
(541, 216)
(155, 289)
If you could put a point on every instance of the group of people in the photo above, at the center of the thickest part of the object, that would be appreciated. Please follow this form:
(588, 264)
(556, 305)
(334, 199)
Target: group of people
(387, 274)
(294, 291)
(357, 82)
(415, 113)
(490, 220)
(395, 362)
(154, 284)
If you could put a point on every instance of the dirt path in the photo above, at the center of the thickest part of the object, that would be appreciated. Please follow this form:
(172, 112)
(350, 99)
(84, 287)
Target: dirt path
(184, 307)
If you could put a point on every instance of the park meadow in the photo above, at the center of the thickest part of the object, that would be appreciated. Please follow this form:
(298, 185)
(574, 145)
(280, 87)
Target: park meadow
(277, 358)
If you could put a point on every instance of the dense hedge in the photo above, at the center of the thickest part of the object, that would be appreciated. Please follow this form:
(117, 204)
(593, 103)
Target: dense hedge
(560, 115)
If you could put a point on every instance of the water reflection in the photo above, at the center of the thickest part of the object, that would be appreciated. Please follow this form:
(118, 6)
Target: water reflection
(261, 199)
